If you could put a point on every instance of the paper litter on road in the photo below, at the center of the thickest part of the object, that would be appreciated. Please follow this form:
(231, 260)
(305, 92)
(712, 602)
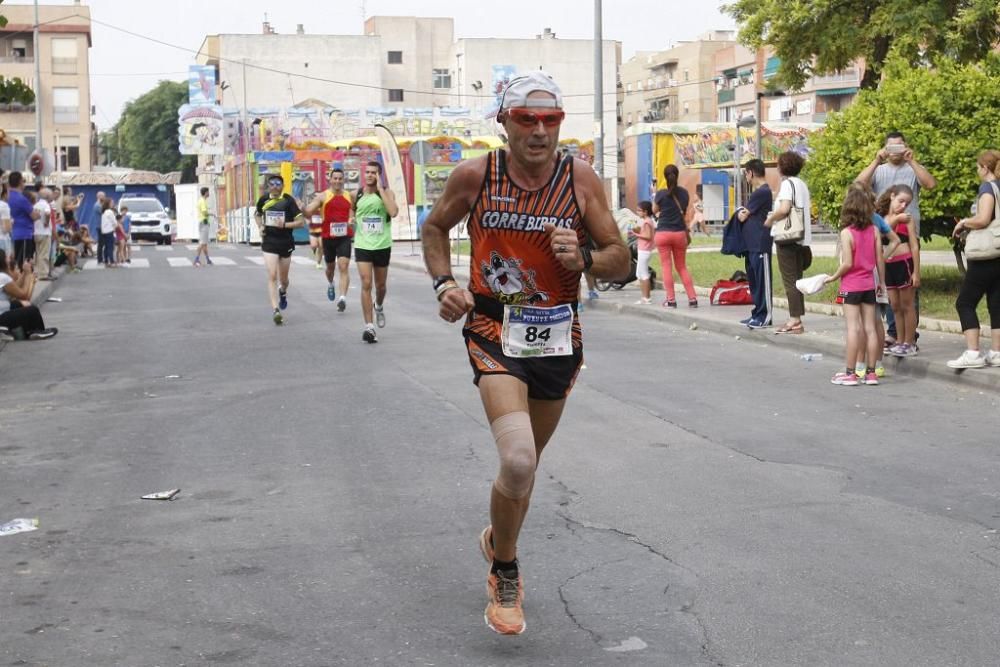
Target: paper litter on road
(55, 299)
(161, 495)
(18, 526)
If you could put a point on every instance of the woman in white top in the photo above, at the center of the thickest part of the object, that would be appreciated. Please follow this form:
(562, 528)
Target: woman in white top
(5, 220)
(793, 258)
(16, 311)
(108, 223)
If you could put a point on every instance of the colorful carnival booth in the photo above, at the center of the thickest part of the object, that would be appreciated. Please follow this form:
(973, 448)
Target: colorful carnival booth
(705, 153)
(426, 162)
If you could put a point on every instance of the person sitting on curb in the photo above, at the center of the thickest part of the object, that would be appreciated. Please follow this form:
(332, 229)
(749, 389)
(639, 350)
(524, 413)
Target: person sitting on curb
(16, 310)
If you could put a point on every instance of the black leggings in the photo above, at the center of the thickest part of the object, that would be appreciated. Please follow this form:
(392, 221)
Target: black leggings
(981, 278)
(28, 318)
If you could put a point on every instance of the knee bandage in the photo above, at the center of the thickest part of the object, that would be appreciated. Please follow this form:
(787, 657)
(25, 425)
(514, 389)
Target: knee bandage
(516, 447)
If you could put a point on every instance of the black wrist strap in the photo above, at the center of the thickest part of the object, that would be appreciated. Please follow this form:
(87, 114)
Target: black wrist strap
(441, 280)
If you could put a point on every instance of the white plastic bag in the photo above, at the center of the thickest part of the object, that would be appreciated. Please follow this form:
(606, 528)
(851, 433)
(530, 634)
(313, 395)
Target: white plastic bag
(18, 526)
(812, 284)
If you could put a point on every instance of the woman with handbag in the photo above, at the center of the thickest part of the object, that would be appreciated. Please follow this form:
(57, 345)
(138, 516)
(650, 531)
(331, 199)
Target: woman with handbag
(982, 275)
(790, 224)
(673, 237)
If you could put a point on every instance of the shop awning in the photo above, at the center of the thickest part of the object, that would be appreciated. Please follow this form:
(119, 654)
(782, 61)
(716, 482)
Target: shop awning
(834, 92)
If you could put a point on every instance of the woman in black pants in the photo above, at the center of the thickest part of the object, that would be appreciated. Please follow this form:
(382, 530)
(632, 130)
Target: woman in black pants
(14, 293)
(981, 276)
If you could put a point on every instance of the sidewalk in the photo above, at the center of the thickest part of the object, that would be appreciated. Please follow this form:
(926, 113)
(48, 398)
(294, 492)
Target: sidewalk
(940, 340)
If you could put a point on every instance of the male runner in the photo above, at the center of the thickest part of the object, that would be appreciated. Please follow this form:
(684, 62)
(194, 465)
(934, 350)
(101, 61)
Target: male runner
(204, 228)
(277, 215)
(374, 209)
(335, 209)
(531, 213)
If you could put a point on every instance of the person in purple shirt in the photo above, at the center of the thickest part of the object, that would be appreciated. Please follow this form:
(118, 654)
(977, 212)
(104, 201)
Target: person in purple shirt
(23, 215)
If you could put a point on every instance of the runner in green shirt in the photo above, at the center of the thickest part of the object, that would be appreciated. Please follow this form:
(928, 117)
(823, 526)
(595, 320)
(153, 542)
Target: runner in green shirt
(374, 209)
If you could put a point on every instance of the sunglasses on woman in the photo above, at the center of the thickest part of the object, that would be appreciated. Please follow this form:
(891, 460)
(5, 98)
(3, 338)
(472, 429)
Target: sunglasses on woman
(529, 118)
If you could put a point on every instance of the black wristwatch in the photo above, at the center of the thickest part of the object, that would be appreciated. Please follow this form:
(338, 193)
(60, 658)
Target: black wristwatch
(588, 258)
(441, 280)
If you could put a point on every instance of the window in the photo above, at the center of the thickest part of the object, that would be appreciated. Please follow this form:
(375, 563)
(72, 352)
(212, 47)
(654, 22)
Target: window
(70, 147)
(687, 75)
(63, 56)
(638, 85)
(395, 57)
(442, 78)
(19, 48)
(686, 110)
(628, 88)
(65, 106)
(395, 94)
(629, 119)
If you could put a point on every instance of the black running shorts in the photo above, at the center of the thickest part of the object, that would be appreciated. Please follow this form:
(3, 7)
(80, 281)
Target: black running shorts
(336, 247)
(899, 275)
(279, 247)
(548, 378)
(378, 258)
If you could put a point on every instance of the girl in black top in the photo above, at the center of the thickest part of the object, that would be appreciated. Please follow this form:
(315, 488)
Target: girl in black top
(672, 236)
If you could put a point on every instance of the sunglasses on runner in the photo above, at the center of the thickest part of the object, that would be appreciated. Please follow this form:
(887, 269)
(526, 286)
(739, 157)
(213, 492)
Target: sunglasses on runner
(529, 118)
(275, 182)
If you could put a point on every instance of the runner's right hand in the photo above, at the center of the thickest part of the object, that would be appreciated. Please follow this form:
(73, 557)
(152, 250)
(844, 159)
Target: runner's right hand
(455, 303)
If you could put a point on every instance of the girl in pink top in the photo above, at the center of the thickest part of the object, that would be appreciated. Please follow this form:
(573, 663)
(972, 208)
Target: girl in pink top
(861, 253)
(644, 232)
(902, 267)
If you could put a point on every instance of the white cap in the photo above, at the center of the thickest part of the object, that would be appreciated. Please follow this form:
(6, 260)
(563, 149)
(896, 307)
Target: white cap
(517, 91)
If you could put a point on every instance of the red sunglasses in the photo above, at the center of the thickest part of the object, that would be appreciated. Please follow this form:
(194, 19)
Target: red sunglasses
(528, 118)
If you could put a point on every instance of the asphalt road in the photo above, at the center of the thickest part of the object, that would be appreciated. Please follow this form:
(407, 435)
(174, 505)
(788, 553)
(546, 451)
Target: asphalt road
(706, 501)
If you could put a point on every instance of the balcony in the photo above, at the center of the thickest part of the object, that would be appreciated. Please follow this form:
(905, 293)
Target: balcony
(17, 60)
(16, 107)
(660, 91)
(727, 96)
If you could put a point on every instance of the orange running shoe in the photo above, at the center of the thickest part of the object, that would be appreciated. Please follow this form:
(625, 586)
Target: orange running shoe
(486, 544)
(504, 614)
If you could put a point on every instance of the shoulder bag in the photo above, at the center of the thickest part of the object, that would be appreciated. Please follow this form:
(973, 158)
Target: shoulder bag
(983, 244)
(792, 229)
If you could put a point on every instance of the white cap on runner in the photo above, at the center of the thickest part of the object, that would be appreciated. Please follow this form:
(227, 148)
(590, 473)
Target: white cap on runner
(516, 93)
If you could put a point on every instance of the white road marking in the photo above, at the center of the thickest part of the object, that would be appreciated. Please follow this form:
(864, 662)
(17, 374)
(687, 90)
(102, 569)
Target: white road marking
(138, 263)
(223, 261)
(304, 261)
(179, 261)
(256, 259)
(165, 248)
(91, 264)
(193, 246)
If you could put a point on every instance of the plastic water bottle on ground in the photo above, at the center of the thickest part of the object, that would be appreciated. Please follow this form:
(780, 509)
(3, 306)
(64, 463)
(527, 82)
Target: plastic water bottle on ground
(811, 356)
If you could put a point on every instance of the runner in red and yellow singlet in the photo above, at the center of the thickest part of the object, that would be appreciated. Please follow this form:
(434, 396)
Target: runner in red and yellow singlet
(537, 220)
(334, 208)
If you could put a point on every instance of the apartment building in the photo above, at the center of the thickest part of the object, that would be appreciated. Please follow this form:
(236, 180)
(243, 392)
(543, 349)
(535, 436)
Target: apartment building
(676, 85)
(742, 74)
(63, 93)
(409, 63)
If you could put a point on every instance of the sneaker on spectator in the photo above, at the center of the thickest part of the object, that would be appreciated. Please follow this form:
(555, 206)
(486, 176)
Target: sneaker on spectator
(43, 334)
(845, 379)
(969, 359)
(6, 335)
(992, 358)
(871, 378)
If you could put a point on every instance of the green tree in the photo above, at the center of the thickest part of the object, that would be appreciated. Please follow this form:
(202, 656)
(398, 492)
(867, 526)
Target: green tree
(949, 114)
(15, 90)
(145, 136)
(820, 36)
(3, 19)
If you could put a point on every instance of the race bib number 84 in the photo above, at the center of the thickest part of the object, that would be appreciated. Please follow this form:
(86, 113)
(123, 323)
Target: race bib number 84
(537, 332)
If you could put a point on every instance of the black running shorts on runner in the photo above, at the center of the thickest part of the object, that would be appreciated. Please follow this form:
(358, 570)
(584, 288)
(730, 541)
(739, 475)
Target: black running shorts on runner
(281, 248)
(379, 258)
(548, 378)
(857, 298)
(336, 247)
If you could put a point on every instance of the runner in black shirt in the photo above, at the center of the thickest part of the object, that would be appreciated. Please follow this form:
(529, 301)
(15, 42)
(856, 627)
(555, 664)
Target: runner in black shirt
(277, 215)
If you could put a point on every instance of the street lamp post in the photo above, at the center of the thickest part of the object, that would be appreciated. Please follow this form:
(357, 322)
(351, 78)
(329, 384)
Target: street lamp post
(761, 94)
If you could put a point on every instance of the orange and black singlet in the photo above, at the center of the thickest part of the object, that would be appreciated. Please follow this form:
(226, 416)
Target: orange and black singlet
(512, 259)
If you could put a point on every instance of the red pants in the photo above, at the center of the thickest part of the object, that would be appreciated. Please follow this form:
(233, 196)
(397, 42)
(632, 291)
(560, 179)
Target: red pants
(672, 247)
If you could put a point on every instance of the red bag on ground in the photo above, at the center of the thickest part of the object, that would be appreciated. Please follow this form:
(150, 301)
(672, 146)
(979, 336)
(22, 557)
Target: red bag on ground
(731, 293)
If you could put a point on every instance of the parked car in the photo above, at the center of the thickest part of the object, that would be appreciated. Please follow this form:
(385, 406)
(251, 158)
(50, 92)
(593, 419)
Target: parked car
(150, 220)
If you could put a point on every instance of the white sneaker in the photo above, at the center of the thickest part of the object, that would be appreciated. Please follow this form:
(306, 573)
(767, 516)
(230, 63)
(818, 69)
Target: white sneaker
(969, 359)
(643, 302)
(993, 358)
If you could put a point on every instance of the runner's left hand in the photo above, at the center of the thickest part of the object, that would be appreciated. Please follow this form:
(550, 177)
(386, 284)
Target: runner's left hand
(565, 246)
